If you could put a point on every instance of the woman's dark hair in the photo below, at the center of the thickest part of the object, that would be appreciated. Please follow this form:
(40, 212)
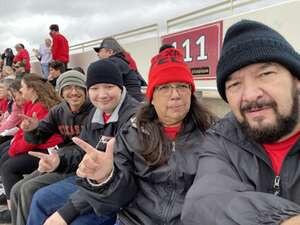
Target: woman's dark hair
(45, 91)
(8, 51)
(150, 130)
(15, 86)
(6, 82)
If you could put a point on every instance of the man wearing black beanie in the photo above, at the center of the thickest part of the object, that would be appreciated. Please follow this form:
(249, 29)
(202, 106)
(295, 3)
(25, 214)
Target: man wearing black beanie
(249, 167)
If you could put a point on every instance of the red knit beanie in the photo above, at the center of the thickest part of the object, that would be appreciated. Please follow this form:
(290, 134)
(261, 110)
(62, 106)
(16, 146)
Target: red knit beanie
(166, 67)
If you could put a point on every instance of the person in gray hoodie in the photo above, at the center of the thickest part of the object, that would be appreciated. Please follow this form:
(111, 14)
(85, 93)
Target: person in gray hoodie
(249, 168)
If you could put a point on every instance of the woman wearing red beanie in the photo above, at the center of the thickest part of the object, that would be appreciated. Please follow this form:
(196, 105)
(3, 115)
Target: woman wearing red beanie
(153, 162)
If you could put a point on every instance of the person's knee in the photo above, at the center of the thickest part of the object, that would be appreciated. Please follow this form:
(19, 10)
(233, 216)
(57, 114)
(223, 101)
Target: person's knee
(37, 203)
(41, 204)
(40, 197)
(15, 191)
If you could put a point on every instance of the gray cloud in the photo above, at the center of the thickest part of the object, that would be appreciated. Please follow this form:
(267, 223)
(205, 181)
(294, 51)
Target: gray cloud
(27, 21)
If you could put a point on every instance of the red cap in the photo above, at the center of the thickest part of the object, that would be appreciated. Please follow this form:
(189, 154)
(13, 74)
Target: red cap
(166, 67)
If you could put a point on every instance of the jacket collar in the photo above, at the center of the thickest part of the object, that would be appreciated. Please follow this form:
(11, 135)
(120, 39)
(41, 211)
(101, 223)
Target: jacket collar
(230, 129)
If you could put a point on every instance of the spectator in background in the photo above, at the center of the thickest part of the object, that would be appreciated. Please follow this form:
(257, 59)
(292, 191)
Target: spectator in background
(110, 48)
(22, 56)
(16, 162)
(1, 64)
(8, 73)
(44, 55)
(7, 128)
(13, 118)
(113, 47)
(165, 46)
(55, 69)
(5, 101)
(8, 57)
(19, 68)
(60, 45)
(3, 98)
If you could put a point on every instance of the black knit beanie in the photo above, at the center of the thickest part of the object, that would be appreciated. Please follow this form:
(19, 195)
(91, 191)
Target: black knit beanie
(248, 42)
(103, 71)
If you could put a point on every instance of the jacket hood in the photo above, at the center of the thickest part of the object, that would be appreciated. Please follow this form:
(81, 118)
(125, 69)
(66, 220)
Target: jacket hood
(228, 127)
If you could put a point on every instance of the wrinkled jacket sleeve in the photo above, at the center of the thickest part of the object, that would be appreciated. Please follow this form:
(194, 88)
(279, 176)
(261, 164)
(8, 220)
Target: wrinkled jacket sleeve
(219, 197)
(74, 207)
(120, 190)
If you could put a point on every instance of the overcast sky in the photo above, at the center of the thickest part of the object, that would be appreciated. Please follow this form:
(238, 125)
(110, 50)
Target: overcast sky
(27, 21)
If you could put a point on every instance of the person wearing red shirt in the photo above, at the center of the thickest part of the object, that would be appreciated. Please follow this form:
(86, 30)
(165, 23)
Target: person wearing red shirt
(60, 45)
(249, 162)
(22, 56)
(3, 96)
(15, 161)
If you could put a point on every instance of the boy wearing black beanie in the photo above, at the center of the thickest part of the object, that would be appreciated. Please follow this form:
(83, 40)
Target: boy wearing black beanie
(113, 108)
(104, 71)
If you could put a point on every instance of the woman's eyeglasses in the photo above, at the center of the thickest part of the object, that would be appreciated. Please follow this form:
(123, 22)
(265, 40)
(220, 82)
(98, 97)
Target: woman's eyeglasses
(166, 89)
